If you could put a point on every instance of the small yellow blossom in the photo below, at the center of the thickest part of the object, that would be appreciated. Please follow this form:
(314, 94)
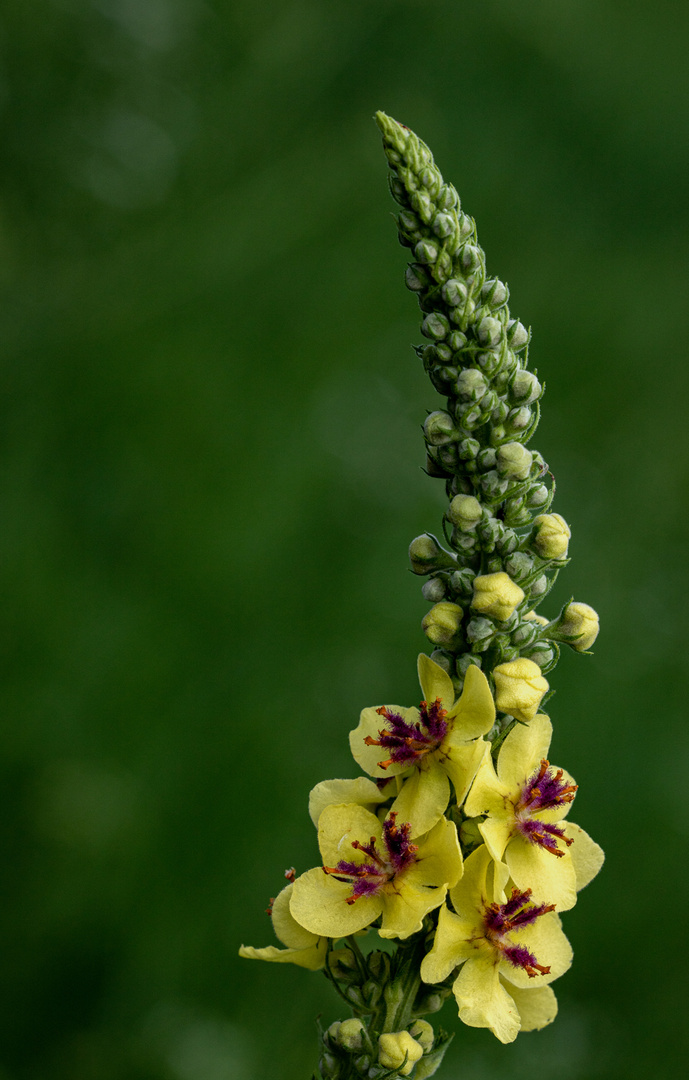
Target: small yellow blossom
(372, 869)
(581, 621)
(526, 802)
(519, 687)
(532, 616)
(398, 1050)
(509, 951)
(305, 949)
(550, 537)
(496, 595)
(428, 747)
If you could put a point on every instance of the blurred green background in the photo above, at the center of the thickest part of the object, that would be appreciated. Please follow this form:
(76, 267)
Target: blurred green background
(210, 476)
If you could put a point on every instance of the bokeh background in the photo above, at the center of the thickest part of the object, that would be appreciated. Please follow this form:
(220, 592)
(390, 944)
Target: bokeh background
(211, 472)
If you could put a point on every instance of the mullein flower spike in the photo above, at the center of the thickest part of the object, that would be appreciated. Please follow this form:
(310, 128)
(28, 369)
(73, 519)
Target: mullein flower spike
(455, 844)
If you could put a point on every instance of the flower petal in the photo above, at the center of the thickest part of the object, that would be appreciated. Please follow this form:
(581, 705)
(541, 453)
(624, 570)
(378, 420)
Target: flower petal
(405, 907)
(483, 1000)
(319, 903)
(371, 723)
(546, 940)
(435, 683)
(452, 946)
(497, 833)
(461, 761)
(587, 857)
(552, 879)
(362, 791)
(339, 826)
(286, 927)
(474, 713)
(537, 1007)
(488, 795)
(312, 958)
(523, 749)
(423, 798)
(471, 893)
(439, 857)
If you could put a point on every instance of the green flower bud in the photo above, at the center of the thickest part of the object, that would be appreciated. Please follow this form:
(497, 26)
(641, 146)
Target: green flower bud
(543, 654)
(448, 199)
(379, 965)
(362, 1064)
(507, 543)
(539, 586)
(580, 621)
(430, 1003)
(442, 624)
(439, 428)
(465, 512)
(500, 413)
(330, 1036)
(519, 565)
(489, 331)
(489, 362)
(425, 252)
(538, 496)
(550, 536)
(469, 832)
(351, 1035)
(329, 1065)
(434, 590)
(399, 1050)
(524, 387)
(467, 228)
(416, 279)
(493, 486)
(470, 415)
(454, 293)
(460, 315)
(422, 1031)
(354, 994)
(424, 206)
(427, 555)
(490, 531)
(516, 513)
(494, 293)
(457, 341)
(471, 384)
(372, 992)
(435, 326)
(447, 456)
(517, 334)
(462, 582)
(514, 461)
(518, 419)
(464, 663)
(443, 660)
(443, 224)
(434, 468)
(480, 632)
(342, 964)
(463, 541)
(468, 449)
(486, 459)
(496, 595)
(470, 257)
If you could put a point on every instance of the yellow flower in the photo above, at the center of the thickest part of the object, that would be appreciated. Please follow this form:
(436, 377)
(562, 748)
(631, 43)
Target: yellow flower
(441, 624)
(430, 746)
(519, 687)
(550, 537)
(496, 595)
(305, 949)
(362, 791)
(526, 802)
(509, 950)
(398, 1050)
(372, 869)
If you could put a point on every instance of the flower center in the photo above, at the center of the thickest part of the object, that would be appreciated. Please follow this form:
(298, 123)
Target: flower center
(409, 743)
(368, 877)
(516, 913)
(545, 790)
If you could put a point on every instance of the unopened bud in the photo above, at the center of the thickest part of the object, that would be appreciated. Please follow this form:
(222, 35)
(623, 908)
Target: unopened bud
(439, 428)
(431, 1003)
(469, 832)
(514, 461)
(443, 660)
(457, 341)
(443, 224)
(399, 1050)
(550, 536)
(415, 278)
(518, 419)
(447, 198)
(524, 387)
(470, 257)
(538, 496)
(489, 361)
(544, 654)
(480, 632)
(425, 252)
(486, 459)
(462, 582)
(465, 662)
(468, 449)
(442, 624)
(434, 590)
(422, 1031)
(494, 293)
(519, 687)
(517, 334)
(493, 485)
(454, 292)
(350, 1035)
(426, 555)
(580, 621)
(489, 331)
(471, 384)
(423, 204)
(539, 586)
(517, 513)
(496, 595)
(465, 512)
(435, 326)
(533, 616)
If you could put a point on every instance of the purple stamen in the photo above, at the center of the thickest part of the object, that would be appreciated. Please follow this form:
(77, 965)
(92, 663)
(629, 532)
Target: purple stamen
(409, 742)
(516, 913)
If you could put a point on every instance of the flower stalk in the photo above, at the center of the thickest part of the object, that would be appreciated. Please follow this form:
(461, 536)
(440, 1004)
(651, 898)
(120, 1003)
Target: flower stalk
(453, 848)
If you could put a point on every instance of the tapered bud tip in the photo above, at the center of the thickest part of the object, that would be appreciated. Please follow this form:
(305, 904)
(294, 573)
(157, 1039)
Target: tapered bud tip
(550, 536)
(580, 621)
(497, 595)
(442, 624)
(399, 1050)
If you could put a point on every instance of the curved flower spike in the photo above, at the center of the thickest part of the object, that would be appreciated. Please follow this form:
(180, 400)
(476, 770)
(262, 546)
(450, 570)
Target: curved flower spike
(508, 952)
(429, 746)
(372, 869)
(305, 949)
(526, 802)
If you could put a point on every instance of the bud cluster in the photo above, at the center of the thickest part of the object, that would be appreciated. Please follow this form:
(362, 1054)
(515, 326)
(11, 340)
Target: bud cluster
(503, 547)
